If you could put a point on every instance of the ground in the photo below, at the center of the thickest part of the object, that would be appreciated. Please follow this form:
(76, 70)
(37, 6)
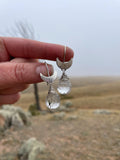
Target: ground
(90, 136)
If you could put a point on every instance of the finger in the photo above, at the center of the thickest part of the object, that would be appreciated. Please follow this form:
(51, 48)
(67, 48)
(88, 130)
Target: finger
(14, 89)
(22, 73)
(26, 48)
(9, 99)
(4, 56)
(23, 60)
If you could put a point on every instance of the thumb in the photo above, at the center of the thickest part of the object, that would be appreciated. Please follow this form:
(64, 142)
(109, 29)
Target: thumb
(21, 73)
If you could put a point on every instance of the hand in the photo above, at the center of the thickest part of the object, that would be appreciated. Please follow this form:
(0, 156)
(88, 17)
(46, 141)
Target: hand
(19, 67)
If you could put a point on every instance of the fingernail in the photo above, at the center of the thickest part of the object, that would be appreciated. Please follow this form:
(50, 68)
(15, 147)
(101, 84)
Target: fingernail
(42, 69)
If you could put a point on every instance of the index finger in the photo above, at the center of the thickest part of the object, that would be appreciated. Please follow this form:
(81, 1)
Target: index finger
(26, 48)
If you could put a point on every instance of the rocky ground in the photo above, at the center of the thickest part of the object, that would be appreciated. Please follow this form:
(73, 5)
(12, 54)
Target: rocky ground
(76, 135)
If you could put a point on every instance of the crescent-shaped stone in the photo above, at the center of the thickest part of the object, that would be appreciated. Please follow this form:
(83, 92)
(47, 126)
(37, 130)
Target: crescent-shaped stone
(49, 79)
(64, 65)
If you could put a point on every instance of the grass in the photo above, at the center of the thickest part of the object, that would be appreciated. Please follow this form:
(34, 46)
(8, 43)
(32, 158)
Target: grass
(87, 92)
(89, 137)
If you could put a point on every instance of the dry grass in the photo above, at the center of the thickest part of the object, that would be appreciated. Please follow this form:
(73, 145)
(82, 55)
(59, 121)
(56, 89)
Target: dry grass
(87, 92)
(89, 137)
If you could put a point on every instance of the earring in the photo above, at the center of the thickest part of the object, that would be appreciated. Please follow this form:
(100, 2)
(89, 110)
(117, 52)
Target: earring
(64, 85)
(53, 99)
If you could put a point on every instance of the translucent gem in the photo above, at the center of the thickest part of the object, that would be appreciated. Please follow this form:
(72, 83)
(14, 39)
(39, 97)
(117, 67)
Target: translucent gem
(64, 85)
(53, 99)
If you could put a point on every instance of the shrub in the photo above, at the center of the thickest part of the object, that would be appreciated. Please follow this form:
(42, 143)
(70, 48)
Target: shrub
(33, 110)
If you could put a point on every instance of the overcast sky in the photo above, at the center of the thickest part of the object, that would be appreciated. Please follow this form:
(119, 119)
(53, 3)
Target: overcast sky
(90, 27)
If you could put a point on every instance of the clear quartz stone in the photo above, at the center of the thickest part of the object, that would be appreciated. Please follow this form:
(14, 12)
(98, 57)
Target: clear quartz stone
(53, 99)
(64, 85)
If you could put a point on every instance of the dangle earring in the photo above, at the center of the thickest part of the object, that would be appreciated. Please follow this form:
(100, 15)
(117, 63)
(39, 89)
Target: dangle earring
(64, 85)
(53, 99)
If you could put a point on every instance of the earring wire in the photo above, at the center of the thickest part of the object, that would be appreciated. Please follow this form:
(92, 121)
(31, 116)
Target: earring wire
(47, 69)
(65, 48)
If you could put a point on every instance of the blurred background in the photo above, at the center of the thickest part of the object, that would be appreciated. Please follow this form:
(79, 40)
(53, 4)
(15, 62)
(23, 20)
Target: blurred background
(90, 27)
(87, 124)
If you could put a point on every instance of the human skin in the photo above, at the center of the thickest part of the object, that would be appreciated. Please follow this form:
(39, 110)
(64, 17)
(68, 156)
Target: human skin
(19, 64)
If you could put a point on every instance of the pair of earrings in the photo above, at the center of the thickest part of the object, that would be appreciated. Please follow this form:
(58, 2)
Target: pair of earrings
(64, 86)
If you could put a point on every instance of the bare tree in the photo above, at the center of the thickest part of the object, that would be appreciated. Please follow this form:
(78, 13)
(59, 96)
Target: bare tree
(25, 30)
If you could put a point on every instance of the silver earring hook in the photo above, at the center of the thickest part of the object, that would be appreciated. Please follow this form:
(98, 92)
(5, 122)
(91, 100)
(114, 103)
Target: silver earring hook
(62, 64)
(65, 48)
(47, 69)
(48, 79)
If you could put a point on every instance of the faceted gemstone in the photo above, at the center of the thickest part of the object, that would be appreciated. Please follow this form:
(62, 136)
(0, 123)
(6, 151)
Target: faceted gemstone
(64, 85)
(53, 99)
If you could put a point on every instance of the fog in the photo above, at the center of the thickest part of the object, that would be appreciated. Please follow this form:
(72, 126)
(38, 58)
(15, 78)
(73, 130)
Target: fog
(90, 27)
